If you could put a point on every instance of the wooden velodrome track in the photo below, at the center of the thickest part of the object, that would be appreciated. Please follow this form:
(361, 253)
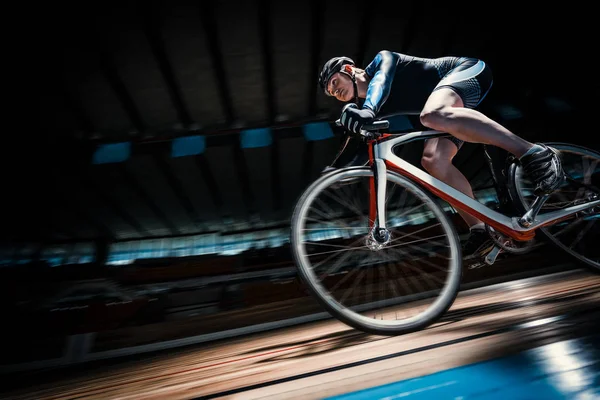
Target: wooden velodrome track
(328, 358)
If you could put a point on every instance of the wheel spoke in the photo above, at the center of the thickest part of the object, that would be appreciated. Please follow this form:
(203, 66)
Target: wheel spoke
(577, 236)
(366, 281)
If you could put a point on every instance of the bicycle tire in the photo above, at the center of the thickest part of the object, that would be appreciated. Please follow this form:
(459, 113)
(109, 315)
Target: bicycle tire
(443, 302)
(520, 202)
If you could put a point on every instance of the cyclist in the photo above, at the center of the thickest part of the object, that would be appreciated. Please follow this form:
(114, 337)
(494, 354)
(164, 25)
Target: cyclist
(444, 92)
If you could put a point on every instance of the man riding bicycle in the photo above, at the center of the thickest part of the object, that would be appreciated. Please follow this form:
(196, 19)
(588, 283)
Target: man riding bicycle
(444, 92)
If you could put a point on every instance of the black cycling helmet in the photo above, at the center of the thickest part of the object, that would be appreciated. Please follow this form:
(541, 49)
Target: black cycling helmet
(331, 67)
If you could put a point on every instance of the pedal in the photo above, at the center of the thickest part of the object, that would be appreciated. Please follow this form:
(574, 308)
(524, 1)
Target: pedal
(474, 264)
(490, 258)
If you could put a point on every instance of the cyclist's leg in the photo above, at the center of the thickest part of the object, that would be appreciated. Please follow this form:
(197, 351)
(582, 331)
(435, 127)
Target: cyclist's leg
(450, 108)
(468, 124)
(437, 160)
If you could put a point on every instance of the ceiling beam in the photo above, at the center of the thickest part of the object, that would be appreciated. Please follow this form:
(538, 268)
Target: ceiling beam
(107, 66)
(209, 178)
(135, 186)
(113, 206)
(316, 30)
(152, 20)
(241, 167)
(275, 174)
(177, 187)
(71, 206)
(266, 40)
(209, 23)
(163, 135)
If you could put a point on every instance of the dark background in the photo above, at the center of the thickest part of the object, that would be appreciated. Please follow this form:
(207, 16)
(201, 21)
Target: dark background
(142, 75)
(147, 72)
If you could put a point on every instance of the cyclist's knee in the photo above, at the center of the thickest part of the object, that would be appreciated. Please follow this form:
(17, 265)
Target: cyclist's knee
(437, 118)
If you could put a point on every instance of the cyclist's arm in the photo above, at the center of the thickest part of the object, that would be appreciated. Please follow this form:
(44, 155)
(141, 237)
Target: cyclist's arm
(381, 71)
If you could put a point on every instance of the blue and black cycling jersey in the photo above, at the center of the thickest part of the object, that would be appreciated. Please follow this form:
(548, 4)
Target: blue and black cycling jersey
(401, 84)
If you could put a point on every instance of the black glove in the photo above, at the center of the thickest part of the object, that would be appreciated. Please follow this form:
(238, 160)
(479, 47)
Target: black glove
(353, 119)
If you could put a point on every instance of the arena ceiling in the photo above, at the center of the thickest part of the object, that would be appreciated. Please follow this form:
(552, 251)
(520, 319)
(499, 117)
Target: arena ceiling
(238, 80)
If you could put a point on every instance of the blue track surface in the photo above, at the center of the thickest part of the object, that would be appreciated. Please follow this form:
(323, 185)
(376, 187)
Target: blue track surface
(563, 370)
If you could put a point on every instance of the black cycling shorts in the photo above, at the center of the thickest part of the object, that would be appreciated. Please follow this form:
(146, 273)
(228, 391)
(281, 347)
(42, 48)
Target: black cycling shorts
(471, 79)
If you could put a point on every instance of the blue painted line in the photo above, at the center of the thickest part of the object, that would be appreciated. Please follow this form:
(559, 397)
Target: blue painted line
(559, 373)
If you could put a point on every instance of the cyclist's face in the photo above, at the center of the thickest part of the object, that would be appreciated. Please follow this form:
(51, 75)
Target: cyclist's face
(340, 86)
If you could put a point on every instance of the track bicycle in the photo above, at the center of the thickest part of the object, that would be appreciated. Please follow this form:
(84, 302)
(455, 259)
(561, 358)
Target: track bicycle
(376, 245)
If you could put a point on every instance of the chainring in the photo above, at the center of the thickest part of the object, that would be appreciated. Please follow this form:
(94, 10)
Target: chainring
(508, 244)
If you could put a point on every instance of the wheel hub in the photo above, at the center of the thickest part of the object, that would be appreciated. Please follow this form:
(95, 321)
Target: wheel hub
(378, 239)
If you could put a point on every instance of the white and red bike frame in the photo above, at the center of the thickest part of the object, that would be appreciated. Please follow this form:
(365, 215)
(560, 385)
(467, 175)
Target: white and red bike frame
(382, 158)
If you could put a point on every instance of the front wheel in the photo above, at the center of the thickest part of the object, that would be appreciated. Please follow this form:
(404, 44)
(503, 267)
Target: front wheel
(385, 286)
(577, 236)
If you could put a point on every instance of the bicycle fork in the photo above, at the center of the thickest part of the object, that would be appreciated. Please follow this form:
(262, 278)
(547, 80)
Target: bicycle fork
(377, 215)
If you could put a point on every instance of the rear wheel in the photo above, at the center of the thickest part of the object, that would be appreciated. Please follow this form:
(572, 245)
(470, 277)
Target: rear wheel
(386, 285)
(579, 235)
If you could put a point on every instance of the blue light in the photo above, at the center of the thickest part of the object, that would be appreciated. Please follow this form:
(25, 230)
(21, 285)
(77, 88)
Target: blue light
(252, 138)
(112, 153)
(317, 131)
(188, 146)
